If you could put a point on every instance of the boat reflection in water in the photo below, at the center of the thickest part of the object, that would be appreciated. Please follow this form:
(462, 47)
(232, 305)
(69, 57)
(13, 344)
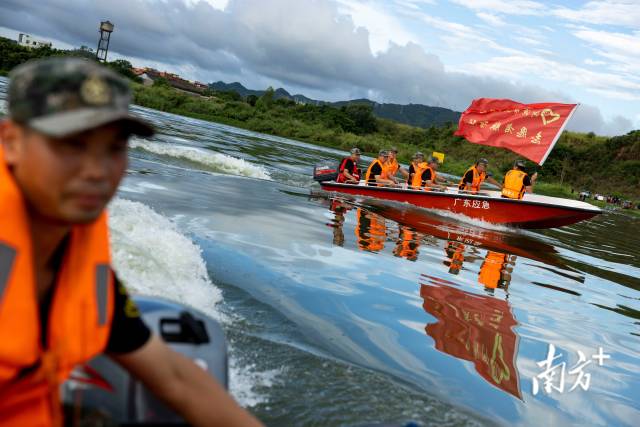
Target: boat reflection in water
(471, 327)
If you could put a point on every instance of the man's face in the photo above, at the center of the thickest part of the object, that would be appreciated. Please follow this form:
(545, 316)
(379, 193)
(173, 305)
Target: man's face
(392, 155)
(434, 165)
(68, 180)
(481, 167)
(383, 159)
(355, 157)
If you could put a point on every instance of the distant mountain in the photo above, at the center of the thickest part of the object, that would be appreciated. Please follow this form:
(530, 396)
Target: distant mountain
(412, 114)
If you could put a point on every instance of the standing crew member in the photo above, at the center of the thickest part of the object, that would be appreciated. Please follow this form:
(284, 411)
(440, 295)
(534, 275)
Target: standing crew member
(475, 176)
(375, 171)
(517, 182)
(63, 152)
(348, 171)
(391, 167)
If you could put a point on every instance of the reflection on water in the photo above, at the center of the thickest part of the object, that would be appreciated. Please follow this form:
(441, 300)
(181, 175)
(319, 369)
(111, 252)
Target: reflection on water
(476, 328)
(470, 327)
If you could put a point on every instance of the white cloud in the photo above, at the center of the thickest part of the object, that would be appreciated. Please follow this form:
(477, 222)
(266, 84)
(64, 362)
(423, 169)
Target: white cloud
(383, 27)
(590, 61)
(620, 48)
(414, 4)
(508, 7)
(529, 41)
(464, 38)
(216, 4)
(316, 48)
(491, 19)
(612, 12)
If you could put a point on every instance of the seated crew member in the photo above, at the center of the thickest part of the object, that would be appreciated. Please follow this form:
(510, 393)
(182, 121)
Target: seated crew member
(61, 303)
(429, 178)
(375, 172)
(417, 166)
(392, 167)
(348, 171)
(517, 182)
(475, 176)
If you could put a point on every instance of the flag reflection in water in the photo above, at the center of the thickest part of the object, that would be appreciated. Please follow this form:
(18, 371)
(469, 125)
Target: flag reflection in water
(476, 328)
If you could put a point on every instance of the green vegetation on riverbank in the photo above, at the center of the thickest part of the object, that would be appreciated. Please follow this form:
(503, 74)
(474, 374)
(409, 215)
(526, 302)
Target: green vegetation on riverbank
(579, 161)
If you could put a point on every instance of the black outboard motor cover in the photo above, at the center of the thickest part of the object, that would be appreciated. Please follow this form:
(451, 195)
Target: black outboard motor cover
(326, 171)
(102, 393)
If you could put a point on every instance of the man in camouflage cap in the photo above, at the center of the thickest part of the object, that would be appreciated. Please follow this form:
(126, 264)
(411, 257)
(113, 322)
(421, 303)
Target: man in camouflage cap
(63, 152)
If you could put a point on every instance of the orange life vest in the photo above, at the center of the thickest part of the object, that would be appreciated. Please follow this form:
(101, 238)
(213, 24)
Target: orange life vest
(372, 179)
(416, 182)
(514, 184)
(478, 179)
(491, 269)
(80, 313)
(390, 168)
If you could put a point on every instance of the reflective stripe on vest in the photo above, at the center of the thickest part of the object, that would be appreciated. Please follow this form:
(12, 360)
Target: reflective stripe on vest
(478, 179)
(7, 256)
(80, 314)
(514, 184)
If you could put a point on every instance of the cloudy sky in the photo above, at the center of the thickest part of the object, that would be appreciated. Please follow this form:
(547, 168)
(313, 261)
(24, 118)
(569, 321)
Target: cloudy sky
(435, 52)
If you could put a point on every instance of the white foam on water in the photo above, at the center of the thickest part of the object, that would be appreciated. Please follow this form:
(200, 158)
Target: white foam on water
(152, 257)
(217, 161)
(475, 221)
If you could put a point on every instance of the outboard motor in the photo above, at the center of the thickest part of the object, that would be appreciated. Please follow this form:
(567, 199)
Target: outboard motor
(102, 393)
(326, 171)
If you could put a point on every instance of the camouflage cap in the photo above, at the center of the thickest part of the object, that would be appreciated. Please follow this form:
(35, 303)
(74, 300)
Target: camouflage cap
(63, 96)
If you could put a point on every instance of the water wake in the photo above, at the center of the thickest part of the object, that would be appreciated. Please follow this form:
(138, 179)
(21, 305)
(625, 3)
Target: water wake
(152, 257)
(215, 161)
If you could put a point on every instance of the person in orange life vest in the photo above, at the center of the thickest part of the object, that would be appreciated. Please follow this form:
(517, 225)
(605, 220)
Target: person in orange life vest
(63, 152)
(429, 178)
(375, 172)
(517, 182)
(392, 167)
(348, 171)
(475, 176)
(417, 164)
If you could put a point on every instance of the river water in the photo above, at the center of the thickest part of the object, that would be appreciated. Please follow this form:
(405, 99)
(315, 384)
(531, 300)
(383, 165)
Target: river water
(350, 311)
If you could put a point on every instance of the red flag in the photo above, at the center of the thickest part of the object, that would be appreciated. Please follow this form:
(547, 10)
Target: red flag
(530, 130)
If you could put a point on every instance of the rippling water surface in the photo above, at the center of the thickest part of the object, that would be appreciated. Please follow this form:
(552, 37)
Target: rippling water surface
(351, 311)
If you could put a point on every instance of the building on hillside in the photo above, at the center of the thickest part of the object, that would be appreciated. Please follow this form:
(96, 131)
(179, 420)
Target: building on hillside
(27, 40)
(149, 75)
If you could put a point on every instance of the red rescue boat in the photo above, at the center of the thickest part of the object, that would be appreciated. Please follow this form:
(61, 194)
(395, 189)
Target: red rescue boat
(533, 211)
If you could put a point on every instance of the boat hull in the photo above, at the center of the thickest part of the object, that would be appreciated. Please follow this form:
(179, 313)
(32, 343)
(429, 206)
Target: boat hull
(483, 207)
